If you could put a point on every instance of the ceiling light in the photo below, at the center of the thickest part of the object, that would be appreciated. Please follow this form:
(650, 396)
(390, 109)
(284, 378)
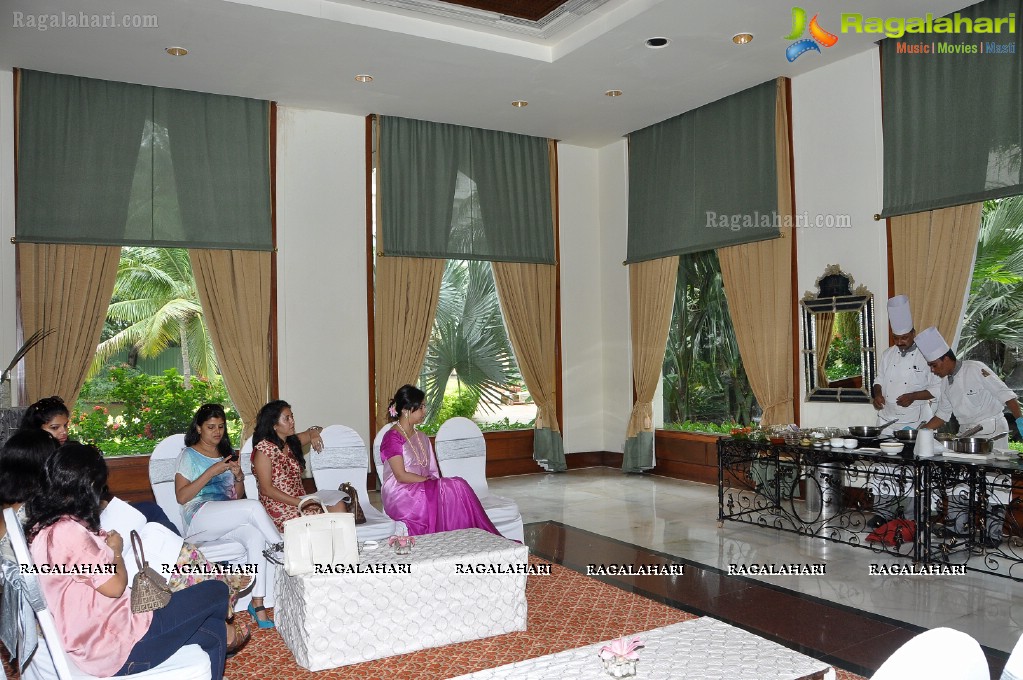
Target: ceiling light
(363, 78)
(613, 93)
(176, 51)
(520, 103)
(657, 43)
(742, 38)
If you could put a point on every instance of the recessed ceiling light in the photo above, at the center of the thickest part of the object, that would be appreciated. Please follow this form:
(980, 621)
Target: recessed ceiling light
(613, 93)
(363, 78)
(742, 38)
(520, 103)
(657, 43)
(176, 51)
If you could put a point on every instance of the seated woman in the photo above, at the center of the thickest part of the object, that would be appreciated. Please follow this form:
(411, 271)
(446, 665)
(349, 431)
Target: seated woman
(277, 462)
(413, 491)
(209, 485)
(21, 475)
(93, 610)
(52, 415)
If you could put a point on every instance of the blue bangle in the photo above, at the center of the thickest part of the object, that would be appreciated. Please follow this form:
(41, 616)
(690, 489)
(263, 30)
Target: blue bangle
(1019, 424)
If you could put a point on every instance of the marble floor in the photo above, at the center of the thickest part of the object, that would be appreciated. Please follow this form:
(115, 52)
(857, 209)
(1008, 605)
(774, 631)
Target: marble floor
(680, 518)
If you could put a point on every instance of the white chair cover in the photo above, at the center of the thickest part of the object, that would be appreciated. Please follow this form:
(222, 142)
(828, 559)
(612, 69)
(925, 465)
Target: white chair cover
(936, 653)
(462, 452)
(188, 663)
(245, 458)
(344, 459)
(1014, 666)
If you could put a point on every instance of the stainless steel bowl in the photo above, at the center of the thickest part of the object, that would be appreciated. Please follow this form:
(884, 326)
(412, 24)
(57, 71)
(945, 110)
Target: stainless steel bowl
(972, 445)
(905, 435)
(865, 431)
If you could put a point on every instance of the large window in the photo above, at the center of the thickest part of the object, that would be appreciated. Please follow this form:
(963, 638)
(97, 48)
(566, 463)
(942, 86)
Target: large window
(705, 387)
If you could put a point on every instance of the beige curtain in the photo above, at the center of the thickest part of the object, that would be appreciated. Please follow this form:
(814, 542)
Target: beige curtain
(825, 328)
(66, 288)
(528, 294)
(932, 258)
(407, 290)
(758, 286)
(651, 294)
(234, 288)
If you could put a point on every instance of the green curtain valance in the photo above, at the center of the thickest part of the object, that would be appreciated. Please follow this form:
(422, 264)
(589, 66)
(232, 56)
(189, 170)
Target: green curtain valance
(952, 120)
(107, 163)
(454, 192)
(706, 178)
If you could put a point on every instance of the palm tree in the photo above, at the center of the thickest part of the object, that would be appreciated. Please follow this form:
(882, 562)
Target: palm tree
(993, 322)
(468, 338)
(155, 294)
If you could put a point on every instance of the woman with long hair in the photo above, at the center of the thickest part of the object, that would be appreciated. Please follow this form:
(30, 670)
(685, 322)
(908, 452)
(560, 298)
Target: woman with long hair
(413, 490)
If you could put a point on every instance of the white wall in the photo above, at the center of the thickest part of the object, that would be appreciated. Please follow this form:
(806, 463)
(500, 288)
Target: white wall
(836, 122)
(8, 284)
(613, 199)
(321, 268)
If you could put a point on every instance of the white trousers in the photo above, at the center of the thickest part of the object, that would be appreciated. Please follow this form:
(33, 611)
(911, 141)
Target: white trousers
(244, 521)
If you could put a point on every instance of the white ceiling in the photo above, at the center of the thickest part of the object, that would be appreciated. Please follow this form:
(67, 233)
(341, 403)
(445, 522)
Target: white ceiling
(305, 53)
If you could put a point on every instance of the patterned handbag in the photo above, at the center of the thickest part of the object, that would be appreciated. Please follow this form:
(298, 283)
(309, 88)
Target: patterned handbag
(149, 590)
(352, 504)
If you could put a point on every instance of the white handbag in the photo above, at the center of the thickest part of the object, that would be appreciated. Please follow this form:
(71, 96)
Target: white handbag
(328, 538)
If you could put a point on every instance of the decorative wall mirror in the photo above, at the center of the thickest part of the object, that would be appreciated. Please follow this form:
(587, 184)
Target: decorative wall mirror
(838, 339)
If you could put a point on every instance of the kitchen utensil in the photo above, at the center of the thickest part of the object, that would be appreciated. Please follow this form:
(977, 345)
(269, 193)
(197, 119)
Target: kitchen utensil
(905, 435)
(837, 442)
(892, 448)
(851, 443)
(969, 433)
(869, 430)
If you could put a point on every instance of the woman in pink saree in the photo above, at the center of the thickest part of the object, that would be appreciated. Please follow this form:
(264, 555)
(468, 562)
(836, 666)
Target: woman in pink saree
(414, 491)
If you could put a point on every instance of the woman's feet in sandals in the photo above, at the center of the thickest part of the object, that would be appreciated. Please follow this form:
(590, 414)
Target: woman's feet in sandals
(259, 615)
(238, 635)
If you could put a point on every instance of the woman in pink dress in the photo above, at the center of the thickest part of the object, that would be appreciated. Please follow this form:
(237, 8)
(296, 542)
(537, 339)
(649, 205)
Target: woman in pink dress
(413, 491)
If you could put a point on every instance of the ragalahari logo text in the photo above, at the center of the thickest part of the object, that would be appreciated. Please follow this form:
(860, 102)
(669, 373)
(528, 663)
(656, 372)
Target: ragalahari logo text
(818, 36)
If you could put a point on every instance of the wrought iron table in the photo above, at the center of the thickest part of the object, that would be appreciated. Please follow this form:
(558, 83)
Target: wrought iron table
(968, 510)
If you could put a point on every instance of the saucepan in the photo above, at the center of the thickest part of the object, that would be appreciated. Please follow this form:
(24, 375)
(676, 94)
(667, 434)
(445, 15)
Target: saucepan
(905, 436)
(869, 430)
(974, 444)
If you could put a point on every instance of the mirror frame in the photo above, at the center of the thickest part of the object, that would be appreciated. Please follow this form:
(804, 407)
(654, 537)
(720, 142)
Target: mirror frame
(858, 300)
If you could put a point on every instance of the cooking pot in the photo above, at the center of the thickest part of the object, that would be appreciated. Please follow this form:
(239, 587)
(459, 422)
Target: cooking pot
(905, 435)
(869, 430)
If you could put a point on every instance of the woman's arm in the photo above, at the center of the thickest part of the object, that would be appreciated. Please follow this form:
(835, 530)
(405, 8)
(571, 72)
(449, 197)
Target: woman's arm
(115, 585)
(263, 470)
(397, 464)
(185, 490)
(311, 437)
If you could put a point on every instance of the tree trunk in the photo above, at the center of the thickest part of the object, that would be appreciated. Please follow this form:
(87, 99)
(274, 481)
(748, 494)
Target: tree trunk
(186, 366)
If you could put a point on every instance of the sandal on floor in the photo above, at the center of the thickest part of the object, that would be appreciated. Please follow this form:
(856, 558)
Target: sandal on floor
(253, 610)
(242, 635)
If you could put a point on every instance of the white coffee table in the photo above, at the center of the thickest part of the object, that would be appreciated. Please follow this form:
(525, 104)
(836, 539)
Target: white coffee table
(703, 648)
(331, 620)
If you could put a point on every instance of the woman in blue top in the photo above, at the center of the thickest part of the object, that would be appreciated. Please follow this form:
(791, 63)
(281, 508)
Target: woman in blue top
(210, 487)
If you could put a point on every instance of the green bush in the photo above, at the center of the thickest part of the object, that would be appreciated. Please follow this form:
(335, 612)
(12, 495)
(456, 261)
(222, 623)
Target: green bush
(152, 408)
(698, 426)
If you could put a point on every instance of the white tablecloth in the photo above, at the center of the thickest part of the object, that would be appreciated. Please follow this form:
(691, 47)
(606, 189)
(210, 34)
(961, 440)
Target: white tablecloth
(704, 649)
(331, 620)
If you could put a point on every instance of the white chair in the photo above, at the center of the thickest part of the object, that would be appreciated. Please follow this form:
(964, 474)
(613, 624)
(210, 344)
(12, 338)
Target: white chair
(936, 653)
(245, 458)
(376, 451)
(49, 660)
(1014, 666)
(462, 452)
(344, 459)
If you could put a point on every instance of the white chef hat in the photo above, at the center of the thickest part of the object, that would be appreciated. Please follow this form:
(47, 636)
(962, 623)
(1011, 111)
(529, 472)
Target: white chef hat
(931, 344)
(899, 316)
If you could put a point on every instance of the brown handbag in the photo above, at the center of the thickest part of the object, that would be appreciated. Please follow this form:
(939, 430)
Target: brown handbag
(352, 504)
(149, 589)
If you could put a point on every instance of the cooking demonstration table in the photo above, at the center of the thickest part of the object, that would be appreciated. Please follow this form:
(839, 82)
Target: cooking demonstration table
(703, 648)
(455, 586)
(969, 508)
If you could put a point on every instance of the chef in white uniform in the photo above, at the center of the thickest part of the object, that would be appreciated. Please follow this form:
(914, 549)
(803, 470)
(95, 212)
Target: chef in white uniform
(969, 389)
(905, 389)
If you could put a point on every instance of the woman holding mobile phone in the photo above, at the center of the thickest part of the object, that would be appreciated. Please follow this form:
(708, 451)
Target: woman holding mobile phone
(210, 487)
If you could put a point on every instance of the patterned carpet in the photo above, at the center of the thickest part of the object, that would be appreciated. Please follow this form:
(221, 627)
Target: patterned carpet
(566, 610)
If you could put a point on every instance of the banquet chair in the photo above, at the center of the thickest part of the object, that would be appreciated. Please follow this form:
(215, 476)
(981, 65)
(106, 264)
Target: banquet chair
(462, 452)
(163, 466)
(245, 458)
(936, 653)
(1014, 666)
(377, 463)
(49, 660)
(344, 459)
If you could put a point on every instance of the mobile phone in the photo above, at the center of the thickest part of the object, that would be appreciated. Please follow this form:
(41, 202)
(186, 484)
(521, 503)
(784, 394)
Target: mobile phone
(232, 458)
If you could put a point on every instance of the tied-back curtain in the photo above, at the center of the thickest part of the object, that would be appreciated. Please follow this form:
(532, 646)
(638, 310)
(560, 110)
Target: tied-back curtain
(932, 255)
(758, 286)
(528, 293)
(651, 294)
(106, 163)
(822, 343)
(66, 288)
(953, 121)
(234, 288)
(454, 192)
(407, 291)
(705, 179)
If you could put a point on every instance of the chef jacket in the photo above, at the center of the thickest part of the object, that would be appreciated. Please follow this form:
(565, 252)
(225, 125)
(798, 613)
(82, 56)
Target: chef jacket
(977, 396)
(898, 375)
